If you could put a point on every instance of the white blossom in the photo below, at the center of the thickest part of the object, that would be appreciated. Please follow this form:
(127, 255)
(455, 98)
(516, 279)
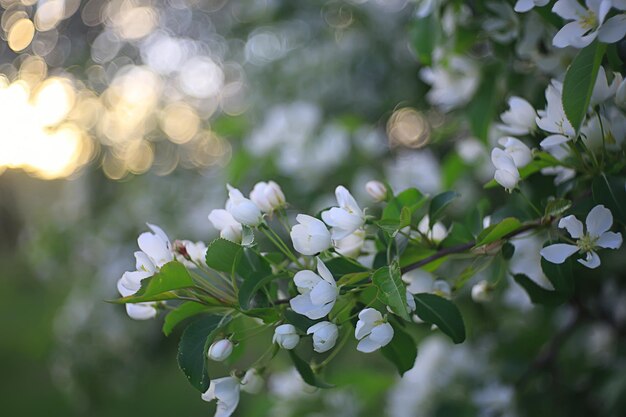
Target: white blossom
(506, 173)
(351, 245)
(318, 293)
(190, 253)
(598, 222)
(602, 90)
(517, 150)
(519, 119)
(346, 218)
(452, 84)
(220, 350)
(310, 236)
(252, 382)
(286, 336)
(588, 23)
(230, 229)
(156, 246)
(243, 209)
(523, 6)
(325, 336)
(553, 119)
(128, 285)
(226, 392)
(377, 190)
(372, 331)
(268, 196)
(435, 234)
(481, 292)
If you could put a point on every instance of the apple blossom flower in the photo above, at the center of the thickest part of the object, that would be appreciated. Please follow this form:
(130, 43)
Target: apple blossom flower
(286, 336)
(318, 293)
(553, 119)
(190, 253)
(436, 234)
(372, 331)
(452, 84)
(220, 350)
(268, 196)
(156, 246)
(602, 90)
(481, 292)
(620, 95)
(506, 173)
(310, 236)
(523, 6)
(243, 209)
(588, 23)
(377, 190)
(226, 392)
(230, 229)
(598, 222)
(325, 336)
(517, 149)
(128, 285)
(346, 218)
(519, 119)
(351, 245)
(252, 382)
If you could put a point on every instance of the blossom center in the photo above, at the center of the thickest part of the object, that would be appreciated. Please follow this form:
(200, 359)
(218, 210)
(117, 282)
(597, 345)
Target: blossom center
(589, 21)
(586, 243)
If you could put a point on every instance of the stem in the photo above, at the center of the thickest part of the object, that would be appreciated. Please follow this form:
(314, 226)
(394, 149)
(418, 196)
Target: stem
(334, 353)
(602, 132)
(530, 203)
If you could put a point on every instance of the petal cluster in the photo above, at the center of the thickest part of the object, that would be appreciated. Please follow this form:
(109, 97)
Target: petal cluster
(318, 293)
(346, 218)
(372, 331)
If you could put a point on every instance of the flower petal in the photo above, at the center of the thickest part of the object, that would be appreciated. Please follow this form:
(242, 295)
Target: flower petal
(553, 140)
(367, 345)
(613, 29)
(592, 260)
(558, 253)
(610, 240)
(573, 226)
(599, 220)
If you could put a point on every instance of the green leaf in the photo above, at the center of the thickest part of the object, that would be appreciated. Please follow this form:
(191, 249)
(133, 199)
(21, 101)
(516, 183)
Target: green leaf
(391, 290)
(251, 286)
(579, 81)
(425, 35)
(557, 207)
(441, 312)
(410, 198)
(538, 294)
(353, 278)
(342, 266)
(482, 108)
(508, 250)
(222, 255)
(458, 235)
(610, 191)
(182, 312)
(560, 275)
(401, 351)
(299, 321)
(438, 204)
(306, 372)
(172, 276)
(498, 231)
(192, 350)
(269, 315)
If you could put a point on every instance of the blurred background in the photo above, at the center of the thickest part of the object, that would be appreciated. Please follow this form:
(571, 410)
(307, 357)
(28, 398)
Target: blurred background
(114, 113)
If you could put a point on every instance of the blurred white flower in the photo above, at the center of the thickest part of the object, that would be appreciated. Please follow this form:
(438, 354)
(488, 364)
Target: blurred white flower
(243, 209)
(517, 150)
(268, 196)
(220, 350)
(553, 119)
(156, 246)
(286, 336)
(602, 91)
(230, 229)
(620, 95)
(503, 26)
(506, 173)
(452, 84)
(481, 292)
(252, 382)
(519, 119)
(325, 336)
(377, 190)
(190, 253)
(310, 236)
(351, 245)
(318, 293)
(372, 331)
(442, 288)
(588, 23)
(523, 6)
(346, 218)
(599, 221)
(426, 7)
(436, 234)
(226, 392)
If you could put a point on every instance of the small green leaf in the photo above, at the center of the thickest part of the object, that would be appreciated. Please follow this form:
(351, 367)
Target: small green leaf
(401, 351)
(391, 290)
(192, 350)
(172, 276)
(353, 278)
(306, 372)
(611, 192)
(557, 207)
(508, 250)
(222, 255)
(299, 321)
(425, 33)
(268, 315)
(482, 108)
(580, 79)
(498, 231)
(438, 204)
(410, 198)
(458, 235)
(441, 312)
(538, 294)
(182, 312)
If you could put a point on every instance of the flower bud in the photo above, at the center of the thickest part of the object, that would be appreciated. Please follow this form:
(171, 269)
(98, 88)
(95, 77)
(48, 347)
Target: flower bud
(220, 350)
(310, 236)
(252, 383)
(325, 336)
(517, 150)
(506, 173)
(230, 229)
(242, 209)
(267, 196)
(286, 337)
(376, 190)
(481, 292)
